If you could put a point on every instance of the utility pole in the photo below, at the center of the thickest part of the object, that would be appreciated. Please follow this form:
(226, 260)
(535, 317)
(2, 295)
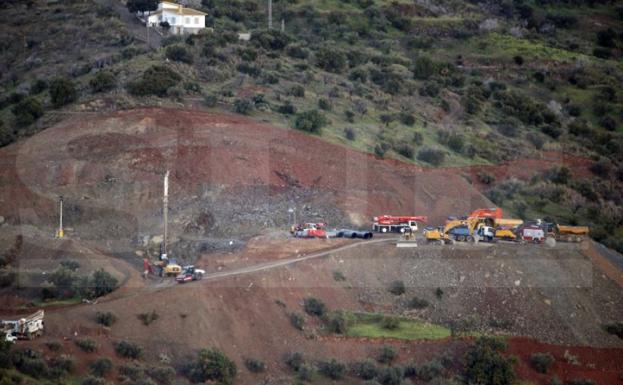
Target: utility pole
(165, 201)
(270, 14)
(60, 233)
(283, 26)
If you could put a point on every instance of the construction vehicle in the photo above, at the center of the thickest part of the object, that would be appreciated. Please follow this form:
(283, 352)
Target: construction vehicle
(310, 230)
(454, 230)
(469, 228)
(559, 232)
(398, 224)
(168, 267)
(23, 328)
(532, 233)
(190, 273)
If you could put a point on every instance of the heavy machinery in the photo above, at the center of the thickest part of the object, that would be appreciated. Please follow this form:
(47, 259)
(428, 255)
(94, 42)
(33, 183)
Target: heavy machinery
(168, 267)
(190, 273)
(310, 230)
(390, 223)
(555, 231)
(484, 224)
(24, 328)
(454, 230)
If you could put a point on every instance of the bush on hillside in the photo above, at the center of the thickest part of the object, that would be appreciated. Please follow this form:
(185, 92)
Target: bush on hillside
(179, 53)
(387, 355)
(249, 69)
(297, 51)
(128, 349)
(418, 303)
(91, 380)
(38, 86)
(430, 370)
(62, 92)
(295, 361)
(148, 318)
(314, 306)
(349, 133)
(271, 40)
(212, 365)
(27, 111)
(255, 366)
(100, 367)
(424, 68)
(298, 91)
(485, 364)
(332, 369)
(311, 121)
(405, 150)
(337, 322)
(163, 374)
(103, 81)
(287, 108)
(86, 345)
(366, 369)
(406, 118)
(105, 318)
(297, 320)
(358, 74)
(541, 361)
(331, 60)
(615, 328)
(243, 106)
(431, 156)
(391, 376)
(156, 80)
(389, 322)
(397, 288)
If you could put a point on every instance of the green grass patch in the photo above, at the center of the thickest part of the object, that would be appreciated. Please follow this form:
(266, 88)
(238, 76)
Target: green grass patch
(370, 325)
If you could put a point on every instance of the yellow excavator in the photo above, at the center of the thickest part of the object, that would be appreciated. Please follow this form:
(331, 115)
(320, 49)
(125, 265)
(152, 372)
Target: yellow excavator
(484, 224)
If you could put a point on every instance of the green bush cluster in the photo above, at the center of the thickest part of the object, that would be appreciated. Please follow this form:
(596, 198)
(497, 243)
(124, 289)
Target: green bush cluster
(541, 361)
(128, 349)
(314, 306)
(27, 111)
(62, 92)
(103, 81)
(156, 80)
(212, 365)
(311, 121)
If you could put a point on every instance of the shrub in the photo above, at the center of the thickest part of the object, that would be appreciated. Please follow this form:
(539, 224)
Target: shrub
(485, 177)
(86, 344)
(338, 276)
(430, 89)
(210, 100)
(156, 80)
(324, 104)
(518, 59)
(418, 303)
(602, 53)
(423, 68)
(405, 150)
(418, 138)
(455, 142)
(70, 264)
(615, 328)
(358, 74)
(314, 306)
(541, 361)
(310, 121)
(397, 288)
(179, 53)
(581, 381)
(386, 355)
(132, 371)
(551, 130)
(366, 370)
(333, 369)
(431, 155)
(105, 318)
(331, 60)
(608, 123)
(60, 366)
(162, 374)
(271, 40)
(287, 108)
(391, 376)
(38, 86)
(305, 372)
(297, 51)
(390, 322)
(128, 349)
(147, 318)
(601, 168)
(297, 320)
(255, 366)
(295, 361)
(350, 116)
(103, 81)
(485, 363)
(297, 91)
(349, 133)
(537, 140)
(337, 322)
(249, 69)
(100, 367)
(243, 106)
(407, 119)
(54, 346)
(62, 92)
(430, 370)
(27, 111)
(558, 175)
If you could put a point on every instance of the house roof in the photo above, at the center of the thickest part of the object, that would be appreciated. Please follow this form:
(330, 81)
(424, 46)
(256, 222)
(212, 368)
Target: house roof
(181, 10)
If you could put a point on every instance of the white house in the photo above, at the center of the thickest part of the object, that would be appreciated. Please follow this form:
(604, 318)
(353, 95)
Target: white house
(181, 19)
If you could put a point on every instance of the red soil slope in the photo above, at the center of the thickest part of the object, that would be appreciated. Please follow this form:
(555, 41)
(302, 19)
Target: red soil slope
(132, 149)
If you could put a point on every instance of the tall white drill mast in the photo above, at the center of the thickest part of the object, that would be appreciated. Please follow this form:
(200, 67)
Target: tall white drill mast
(165, 210)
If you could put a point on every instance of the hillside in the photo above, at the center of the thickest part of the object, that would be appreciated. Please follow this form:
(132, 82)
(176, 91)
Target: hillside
(447, 84)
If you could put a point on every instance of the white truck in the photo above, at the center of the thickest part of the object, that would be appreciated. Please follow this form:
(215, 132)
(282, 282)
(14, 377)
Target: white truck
(24, 328)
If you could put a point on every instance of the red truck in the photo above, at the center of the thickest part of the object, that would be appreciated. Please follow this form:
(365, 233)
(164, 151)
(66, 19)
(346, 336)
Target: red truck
(397, 224)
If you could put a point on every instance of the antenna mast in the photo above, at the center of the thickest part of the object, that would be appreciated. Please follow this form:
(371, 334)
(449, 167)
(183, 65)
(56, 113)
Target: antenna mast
(60, 233)
(270, 14)
(165, 201)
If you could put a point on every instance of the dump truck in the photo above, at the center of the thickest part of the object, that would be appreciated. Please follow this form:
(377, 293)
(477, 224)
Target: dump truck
(568, 233)
(24, 328)
(397, 224)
